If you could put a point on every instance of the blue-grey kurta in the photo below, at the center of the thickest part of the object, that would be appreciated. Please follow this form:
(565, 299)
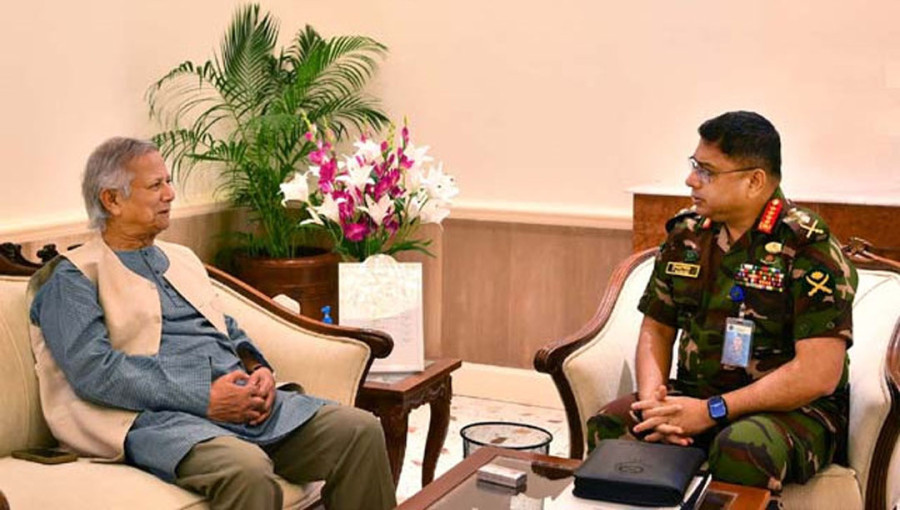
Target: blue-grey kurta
(169, 390)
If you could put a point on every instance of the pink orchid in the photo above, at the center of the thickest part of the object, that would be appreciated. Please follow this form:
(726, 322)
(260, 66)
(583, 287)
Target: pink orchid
(346, 204)
(392, 224)
(381, 187)
(326, 175)
(355, 231)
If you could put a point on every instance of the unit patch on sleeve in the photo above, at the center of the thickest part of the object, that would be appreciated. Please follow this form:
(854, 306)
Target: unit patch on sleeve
(683, 269)
(819, 280)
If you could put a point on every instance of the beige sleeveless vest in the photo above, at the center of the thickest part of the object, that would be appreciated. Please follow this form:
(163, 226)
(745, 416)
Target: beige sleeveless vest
(134, 319)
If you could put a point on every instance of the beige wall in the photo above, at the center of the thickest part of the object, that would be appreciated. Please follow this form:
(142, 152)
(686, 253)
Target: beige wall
(550, 107)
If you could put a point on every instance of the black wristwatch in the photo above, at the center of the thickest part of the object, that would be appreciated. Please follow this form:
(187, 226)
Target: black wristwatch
(718, 410)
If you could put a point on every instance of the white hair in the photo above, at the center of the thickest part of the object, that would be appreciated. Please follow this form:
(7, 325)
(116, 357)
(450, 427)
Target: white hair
(105, 169)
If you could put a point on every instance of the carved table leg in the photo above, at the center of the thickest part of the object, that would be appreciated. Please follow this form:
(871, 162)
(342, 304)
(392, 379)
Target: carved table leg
(395, 422)
(437, 431)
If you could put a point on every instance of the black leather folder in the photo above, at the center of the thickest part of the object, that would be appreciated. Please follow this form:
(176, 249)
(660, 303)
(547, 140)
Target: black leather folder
(637, 473)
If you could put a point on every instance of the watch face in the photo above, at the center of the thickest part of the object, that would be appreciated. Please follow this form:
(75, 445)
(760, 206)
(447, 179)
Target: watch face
(717, 408)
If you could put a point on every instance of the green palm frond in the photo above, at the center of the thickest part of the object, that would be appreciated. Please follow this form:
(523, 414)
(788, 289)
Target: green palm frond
(337, 67)
(346, 111)
(246, 61)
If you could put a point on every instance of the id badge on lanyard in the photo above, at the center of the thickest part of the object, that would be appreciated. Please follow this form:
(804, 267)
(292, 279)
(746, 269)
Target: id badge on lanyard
(738, 335)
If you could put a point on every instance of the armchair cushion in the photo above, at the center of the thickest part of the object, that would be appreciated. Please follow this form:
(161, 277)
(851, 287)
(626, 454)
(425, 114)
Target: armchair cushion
(833, 488)
(89, 485)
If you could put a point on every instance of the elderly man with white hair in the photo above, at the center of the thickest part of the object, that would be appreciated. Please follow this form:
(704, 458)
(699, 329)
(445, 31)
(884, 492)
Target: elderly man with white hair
(137, 364)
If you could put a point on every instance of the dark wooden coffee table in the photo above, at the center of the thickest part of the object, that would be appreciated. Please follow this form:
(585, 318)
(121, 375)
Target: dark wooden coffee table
(548, 477)
(392, 396)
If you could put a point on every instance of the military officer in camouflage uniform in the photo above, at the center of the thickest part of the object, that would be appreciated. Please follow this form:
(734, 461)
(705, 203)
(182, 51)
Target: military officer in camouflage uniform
(762, 296)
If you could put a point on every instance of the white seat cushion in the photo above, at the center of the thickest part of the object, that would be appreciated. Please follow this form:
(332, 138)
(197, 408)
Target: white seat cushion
(93, 485)
(835, 487)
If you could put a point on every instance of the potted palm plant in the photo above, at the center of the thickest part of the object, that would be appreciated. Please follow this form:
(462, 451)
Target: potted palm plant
(244, 113)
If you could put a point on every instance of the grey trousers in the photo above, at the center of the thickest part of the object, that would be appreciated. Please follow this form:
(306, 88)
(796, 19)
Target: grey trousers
(342, 445)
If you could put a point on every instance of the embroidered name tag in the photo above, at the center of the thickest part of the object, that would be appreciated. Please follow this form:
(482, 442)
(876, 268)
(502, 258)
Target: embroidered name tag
(760, 277)
(683, 269)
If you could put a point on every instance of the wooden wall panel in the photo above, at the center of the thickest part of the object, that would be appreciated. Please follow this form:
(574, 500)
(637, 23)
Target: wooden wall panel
(203, 233)
(432, 281)
(650, 215)
(476, 291)
(510, 288)
(874, 223)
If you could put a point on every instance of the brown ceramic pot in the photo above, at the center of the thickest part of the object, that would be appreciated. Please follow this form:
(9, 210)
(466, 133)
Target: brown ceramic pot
(311, 280)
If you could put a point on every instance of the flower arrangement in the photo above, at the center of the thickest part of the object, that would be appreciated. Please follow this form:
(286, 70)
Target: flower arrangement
(373, 201)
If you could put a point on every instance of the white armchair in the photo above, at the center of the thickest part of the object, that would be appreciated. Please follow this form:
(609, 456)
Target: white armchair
(328, 361)
(595, 365)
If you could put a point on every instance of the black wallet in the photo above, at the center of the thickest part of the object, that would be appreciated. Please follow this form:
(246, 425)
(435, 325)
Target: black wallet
(637, 473)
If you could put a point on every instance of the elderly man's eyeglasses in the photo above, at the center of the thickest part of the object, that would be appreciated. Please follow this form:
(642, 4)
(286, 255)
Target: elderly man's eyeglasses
(706, 175)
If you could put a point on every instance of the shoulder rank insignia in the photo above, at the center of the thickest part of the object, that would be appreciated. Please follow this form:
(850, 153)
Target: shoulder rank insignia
(688, 216)
(770, 216)
(683, 269)
(810, 227)
(819, 281)
(807, 227)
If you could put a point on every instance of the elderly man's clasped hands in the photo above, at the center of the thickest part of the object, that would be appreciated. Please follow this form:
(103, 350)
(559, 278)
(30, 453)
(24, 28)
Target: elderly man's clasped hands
(238, 397)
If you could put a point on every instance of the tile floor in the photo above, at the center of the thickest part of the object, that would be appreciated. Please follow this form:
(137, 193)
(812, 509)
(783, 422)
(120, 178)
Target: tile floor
(463, 411)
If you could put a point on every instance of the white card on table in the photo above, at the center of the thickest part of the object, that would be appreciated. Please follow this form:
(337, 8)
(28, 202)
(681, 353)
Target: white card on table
(384, 294)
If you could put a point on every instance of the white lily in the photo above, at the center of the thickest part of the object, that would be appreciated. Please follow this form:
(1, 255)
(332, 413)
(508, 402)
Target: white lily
(412, 178)
(357, 175)
(368, 149)
(378, 210)
(295, 190)
(439, 185)
(433, 211)
(419, 155)
(414, 205)
(329, 209)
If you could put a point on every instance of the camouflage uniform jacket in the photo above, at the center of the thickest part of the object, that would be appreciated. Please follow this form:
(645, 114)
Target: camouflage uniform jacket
(693, 286)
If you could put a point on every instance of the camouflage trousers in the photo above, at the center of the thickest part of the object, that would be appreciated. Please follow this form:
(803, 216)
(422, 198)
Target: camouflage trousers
(763, 450)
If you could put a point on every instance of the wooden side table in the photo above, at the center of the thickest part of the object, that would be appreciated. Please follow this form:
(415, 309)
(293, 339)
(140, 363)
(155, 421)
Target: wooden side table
(391, 397)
